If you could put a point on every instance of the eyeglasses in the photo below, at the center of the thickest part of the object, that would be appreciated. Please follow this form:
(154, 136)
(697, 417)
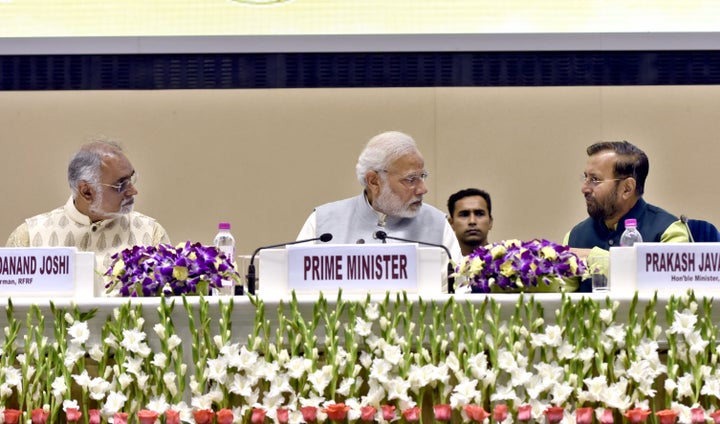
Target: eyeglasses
(595, 181)
(124, 185)
(411, 181)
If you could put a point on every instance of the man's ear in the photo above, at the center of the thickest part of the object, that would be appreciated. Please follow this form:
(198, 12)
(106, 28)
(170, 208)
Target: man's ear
(372, 178)
(628, 187)
(86, 191)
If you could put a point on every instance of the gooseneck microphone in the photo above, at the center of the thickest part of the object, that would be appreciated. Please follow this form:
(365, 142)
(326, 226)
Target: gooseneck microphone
(684, 220)
(382, 235)
(326, 237)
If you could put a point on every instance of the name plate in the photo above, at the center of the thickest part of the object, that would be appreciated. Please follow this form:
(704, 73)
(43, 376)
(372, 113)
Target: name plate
(678, 265)
(353, 267)
(37, 271)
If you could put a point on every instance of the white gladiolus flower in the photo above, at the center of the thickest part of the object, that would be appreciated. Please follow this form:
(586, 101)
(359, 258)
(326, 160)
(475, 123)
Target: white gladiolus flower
(159, 360)
(59, 387)
(132, 339)
(553, 334)
(362, 328)
(397, 388)
(125, 380)
(96, 352)
(158, 404)
(217, 370)
(72, 355)
(321, 378)
(606, 316)
(142, 380)
(98, 387)
(298, 366)
(133, 365)
(372, 311)
(380, 370)
(464, 393)
(241, 385)
(159, 330)
(392, 353)
(170, 384)
(83, 379)
(174, 341)
(70, 404)
(345, 385)
(79, 332)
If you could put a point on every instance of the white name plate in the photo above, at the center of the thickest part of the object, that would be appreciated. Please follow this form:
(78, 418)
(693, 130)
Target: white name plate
(37, 271)
(678, 266)
(352, 266)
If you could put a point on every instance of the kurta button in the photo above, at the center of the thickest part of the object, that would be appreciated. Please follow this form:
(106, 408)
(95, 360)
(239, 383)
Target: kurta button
(611, 242)
(94, 228)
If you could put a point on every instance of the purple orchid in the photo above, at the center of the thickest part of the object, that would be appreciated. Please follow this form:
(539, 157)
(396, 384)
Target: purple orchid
(513, 264)
(168, 270)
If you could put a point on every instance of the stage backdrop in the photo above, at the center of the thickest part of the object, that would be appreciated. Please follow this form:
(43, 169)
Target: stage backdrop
(262, 159)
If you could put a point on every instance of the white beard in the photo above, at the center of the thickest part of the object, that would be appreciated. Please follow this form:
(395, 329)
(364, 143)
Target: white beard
(388, 203)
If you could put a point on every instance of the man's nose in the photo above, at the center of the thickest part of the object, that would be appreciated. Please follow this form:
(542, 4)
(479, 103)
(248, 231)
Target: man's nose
(421, 188)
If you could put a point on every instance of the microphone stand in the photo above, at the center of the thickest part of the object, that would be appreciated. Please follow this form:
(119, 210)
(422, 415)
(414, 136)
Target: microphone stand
(251, 277)
(382, 235)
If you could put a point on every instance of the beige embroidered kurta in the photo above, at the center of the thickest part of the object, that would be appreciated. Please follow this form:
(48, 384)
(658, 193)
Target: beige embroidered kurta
(66, 226)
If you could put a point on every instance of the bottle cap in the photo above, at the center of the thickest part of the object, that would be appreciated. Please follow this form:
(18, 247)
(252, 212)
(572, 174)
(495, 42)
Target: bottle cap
(631, 222)
(224, 226)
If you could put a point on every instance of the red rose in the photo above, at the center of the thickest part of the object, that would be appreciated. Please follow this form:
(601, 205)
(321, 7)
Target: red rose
(12, 416)
(72, 414)
(336, 411)
(411, 414)
(607, 417)
(204, 416)
(667, 416)
(258, 416)
(146, 416)
(283, 415)
(500, 412)
(554, 414)
(697, 415)
(525, 413)
(388, 412)
(637, 415)
(309, 413)
(367, 413)
(225, 416)
(476, 413)
(120, 418)
(172, 416)
(442, 412)
(94, 416)
(716, 416)
(39, 416)
(584, 415)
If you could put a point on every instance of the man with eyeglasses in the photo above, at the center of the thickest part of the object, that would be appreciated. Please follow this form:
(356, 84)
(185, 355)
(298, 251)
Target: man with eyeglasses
(392, 173)
(613, 185)
(99, 214)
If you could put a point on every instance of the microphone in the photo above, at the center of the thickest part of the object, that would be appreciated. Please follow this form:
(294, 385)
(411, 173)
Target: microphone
(382, 235)
(684, 220)
(325, 237)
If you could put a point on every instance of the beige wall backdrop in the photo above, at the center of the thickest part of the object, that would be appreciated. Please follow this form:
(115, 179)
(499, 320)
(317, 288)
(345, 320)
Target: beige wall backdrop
(262, 159)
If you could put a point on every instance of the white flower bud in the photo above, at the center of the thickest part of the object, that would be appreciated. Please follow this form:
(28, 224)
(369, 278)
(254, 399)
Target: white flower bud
(69, 318)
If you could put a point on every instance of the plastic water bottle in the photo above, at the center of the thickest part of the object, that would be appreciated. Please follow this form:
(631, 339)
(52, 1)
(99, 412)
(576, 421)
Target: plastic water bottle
(225, 242)
(631, 235)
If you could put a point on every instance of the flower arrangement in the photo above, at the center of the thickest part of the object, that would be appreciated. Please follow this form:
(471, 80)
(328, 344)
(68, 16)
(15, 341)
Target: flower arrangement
(189, 268)
(396, 361)
(513, 265)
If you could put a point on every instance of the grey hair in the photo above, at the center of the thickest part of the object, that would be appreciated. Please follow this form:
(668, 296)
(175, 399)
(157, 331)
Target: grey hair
(381, 151)
(86, 163)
